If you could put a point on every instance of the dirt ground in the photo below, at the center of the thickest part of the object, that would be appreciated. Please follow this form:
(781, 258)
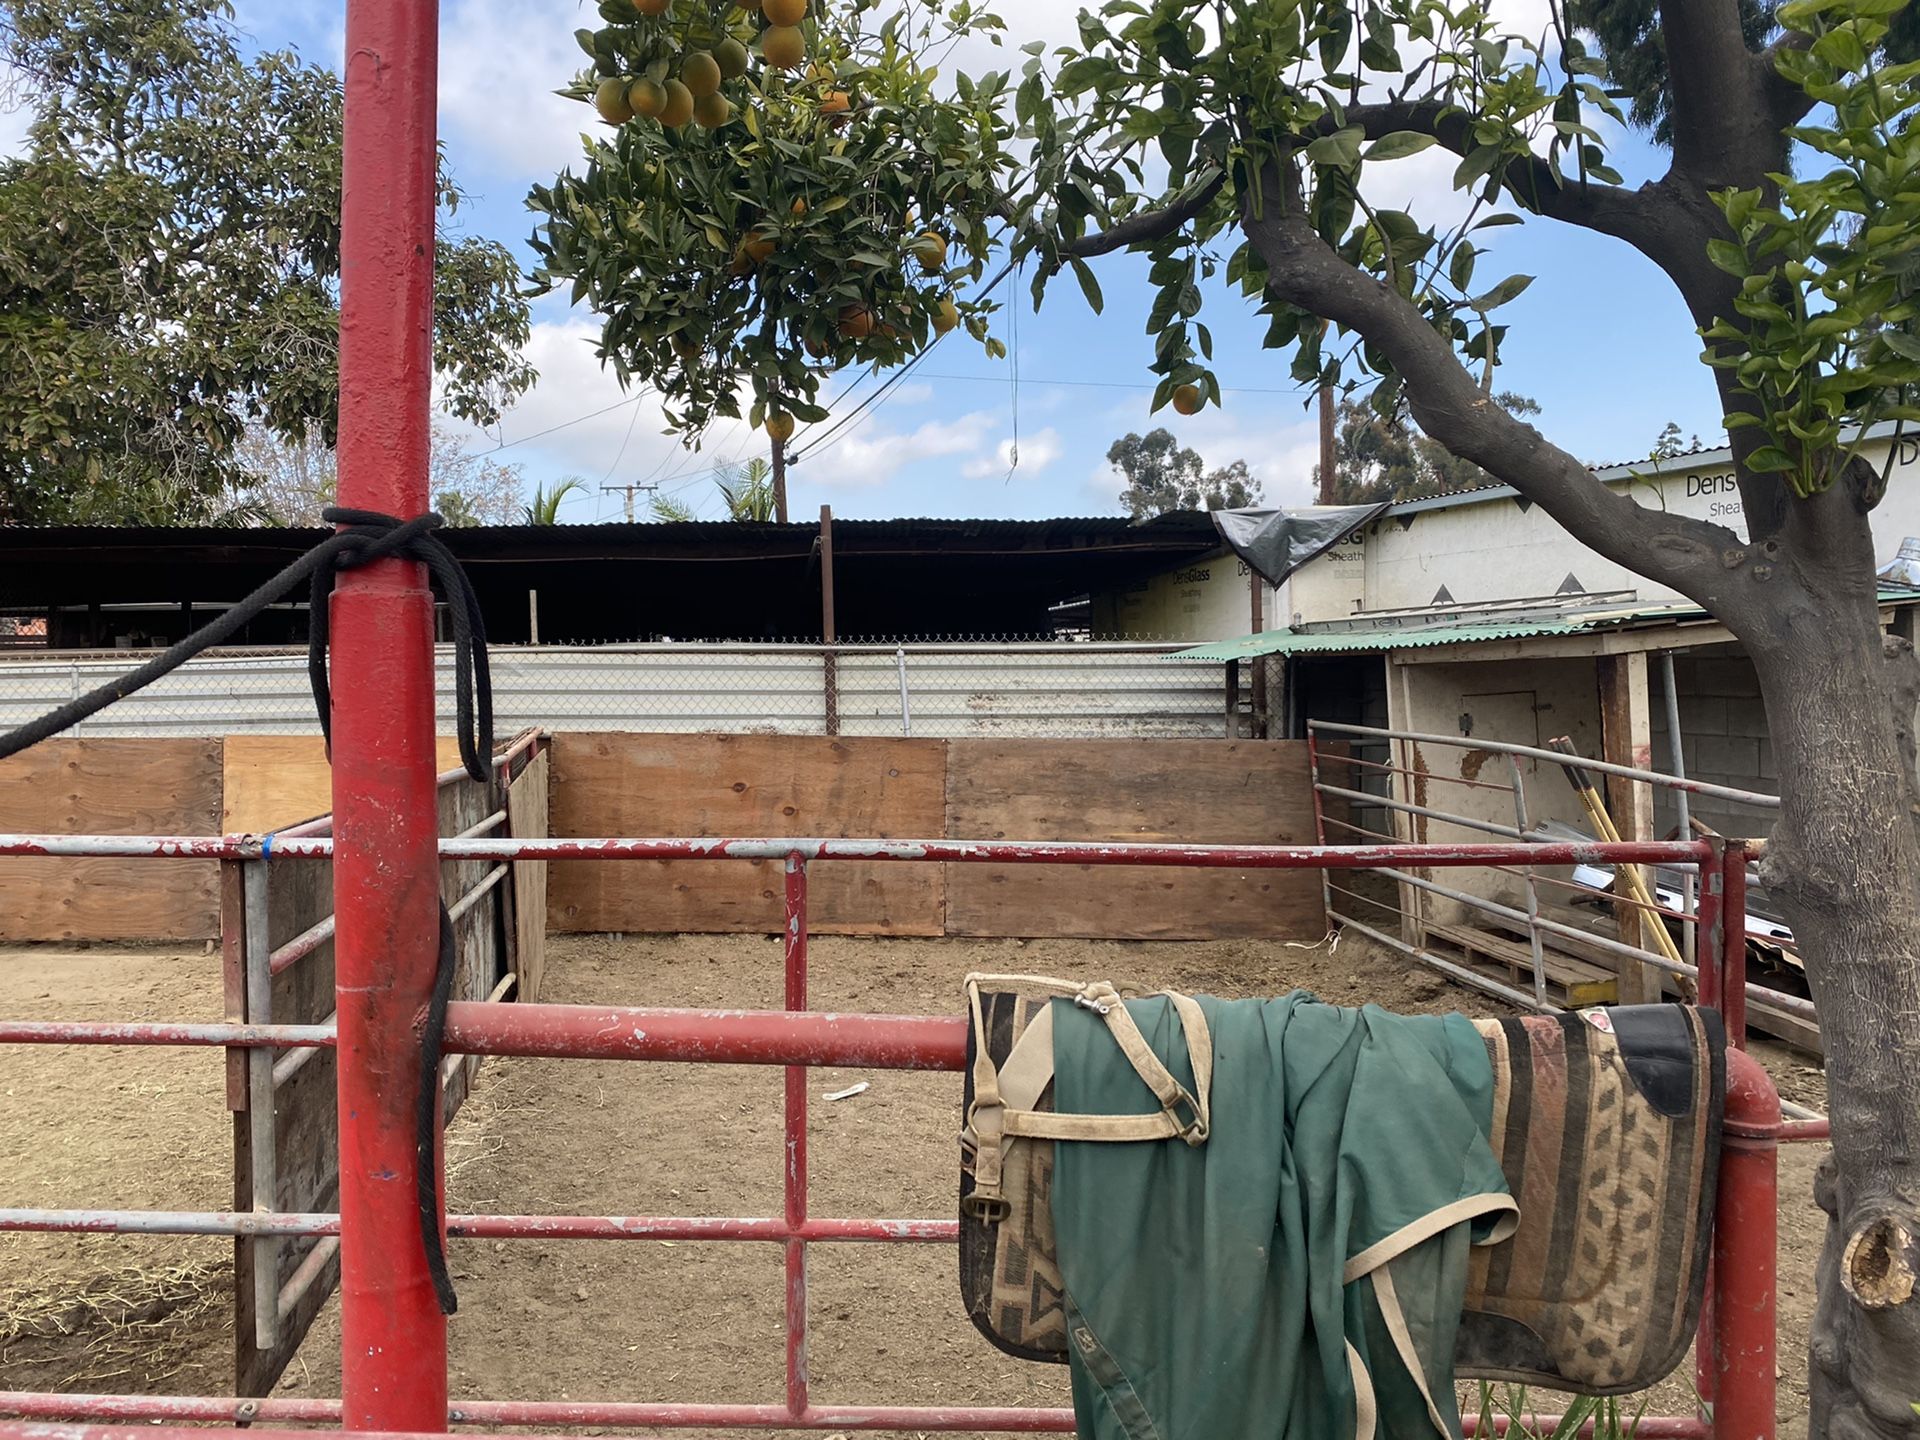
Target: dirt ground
(640, 1320)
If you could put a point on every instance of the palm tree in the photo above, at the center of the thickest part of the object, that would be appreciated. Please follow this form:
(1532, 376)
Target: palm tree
(748, 490)
(545, 509)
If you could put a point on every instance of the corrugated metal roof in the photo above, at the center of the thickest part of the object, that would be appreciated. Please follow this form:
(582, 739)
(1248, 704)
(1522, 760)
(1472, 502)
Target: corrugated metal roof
(1289, 642)
(1183, 525)
(1413, 633)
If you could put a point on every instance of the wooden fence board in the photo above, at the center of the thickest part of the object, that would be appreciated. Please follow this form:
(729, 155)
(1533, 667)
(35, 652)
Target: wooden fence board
(747, 785)
(273, 781)
(1176, 791)
(527, 820)
(306, 1125)
(111, 787)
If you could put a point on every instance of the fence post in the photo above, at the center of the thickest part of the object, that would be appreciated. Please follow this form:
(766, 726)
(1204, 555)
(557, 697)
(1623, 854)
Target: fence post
(262, 1141)
(830, 657)
(796, 1126)
(1522, 824)
(1319, 823)
(1745, 1239)
(1733, 954)
(386, 868)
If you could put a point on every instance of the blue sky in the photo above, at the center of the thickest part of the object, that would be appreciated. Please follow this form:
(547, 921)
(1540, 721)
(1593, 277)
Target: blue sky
(1600, 340)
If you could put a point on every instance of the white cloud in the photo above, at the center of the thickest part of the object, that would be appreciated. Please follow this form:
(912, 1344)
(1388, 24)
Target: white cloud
(597, 431)
(865, 458)
(1034, 453)
(500, 63)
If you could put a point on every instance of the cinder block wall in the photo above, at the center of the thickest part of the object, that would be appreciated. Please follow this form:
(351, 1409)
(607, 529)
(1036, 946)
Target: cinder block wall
(1723, 737)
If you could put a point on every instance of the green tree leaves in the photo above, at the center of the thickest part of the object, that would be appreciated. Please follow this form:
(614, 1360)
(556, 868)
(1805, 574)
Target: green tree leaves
(1823, 338)
(735, 268)
(169, 262)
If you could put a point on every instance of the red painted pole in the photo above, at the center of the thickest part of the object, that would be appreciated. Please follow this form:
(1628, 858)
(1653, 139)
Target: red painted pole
(1733, 959)
(1745, 1234)
(795, 1183)
(1710, 944)
(386, 871)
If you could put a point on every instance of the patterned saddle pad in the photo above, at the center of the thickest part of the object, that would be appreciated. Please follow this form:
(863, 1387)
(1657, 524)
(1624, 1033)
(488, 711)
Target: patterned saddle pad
(1607, 1126)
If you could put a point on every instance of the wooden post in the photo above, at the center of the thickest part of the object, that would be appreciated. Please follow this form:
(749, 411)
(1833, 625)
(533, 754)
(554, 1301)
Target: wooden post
(533, 617)
(1262, 721)
(1626, 738)
(780, 480)
(830, 662)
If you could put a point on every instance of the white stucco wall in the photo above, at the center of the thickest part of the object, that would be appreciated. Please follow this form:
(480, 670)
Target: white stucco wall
(1502, 549)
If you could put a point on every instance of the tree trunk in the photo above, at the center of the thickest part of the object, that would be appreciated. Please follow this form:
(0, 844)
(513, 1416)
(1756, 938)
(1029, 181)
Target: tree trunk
(1844, 861)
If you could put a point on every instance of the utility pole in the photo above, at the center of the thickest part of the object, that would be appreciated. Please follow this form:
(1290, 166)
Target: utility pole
(1326, 445)
(780, 480)
(629, 491)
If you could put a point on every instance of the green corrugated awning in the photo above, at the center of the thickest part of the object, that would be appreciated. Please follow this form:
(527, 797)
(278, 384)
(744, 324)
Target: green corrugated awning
(1360, 642)
(1409, 633)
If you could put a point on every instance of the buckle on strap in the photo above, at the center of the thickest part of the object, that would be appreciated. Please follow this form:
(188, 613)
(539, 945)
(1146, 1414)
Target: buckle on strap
(987, 1209)
(1193, 1126)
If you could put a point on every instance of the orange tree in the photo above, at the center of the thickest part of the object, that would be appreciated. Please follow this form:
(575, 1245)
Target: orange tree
(1788, 221)
(782, 194)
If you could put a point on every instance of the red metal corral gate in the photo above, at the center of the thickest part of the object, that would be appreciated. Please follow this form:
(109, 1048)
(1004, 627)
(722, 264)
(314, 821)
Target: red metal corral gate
(386, 863)
(1736, 1369)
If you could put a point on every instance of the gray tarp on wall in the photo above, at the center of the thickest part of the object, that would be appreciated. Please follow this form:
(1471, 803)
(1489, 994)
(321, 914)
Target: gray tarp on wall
(1278, 542)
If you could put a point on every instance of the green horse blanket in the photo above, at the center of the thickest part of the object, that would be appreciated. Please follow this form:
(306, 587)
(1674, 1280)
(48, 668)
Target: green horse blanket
(1296, 1270)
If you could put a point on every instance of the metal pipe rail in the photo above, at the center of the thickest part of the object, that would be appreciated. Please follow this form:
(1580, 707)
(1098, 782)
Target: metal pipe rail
(1531, 752)
(982, 852)
(1740, 1360)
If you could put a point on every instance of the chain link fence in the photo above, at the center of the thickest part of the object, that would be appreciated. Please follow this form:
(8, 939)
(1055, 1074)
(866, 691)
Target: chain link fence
(1041, 689)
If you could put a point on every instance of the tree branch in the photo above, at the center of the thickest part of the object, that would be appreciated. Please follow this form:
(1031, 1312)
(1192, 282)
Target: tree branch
(1140, 229)
(1148, 225)
(1533, 182)
(1787, 101)
(1450, 406)
(1718, 93)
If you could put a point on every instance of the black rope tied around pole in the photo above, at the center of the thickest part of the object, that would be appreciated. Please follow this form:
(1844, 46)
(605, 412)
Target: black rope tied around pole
(367, 536)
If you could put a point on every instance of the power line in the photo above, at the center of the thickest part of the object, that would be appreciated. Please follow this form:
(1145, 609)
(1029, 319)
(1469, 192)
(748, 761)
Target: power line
(853, 415)
(564, 425)
(1110, 384)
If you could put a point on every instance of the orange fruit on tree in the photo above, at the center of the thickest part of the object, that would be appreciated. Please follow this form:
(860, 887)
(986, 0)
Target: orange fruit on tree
(930, 250)
(835, 102)
(947, 317)
(1187, 399)
(646, 97)
(798, 208)
(759, 247)
(732, 58)
(653, 7)
(710, 112)
(856, 322)
(679, 107)
(818, 349)
(610, 99)
(700, 73)
(784, 46)
(779, 426)
(784, 12)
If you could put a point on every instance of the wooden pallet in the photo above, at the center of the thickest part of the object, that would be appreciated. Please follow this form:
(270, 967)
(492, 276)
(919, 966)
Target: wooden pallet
(1796, 1031)
(1570, 982)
